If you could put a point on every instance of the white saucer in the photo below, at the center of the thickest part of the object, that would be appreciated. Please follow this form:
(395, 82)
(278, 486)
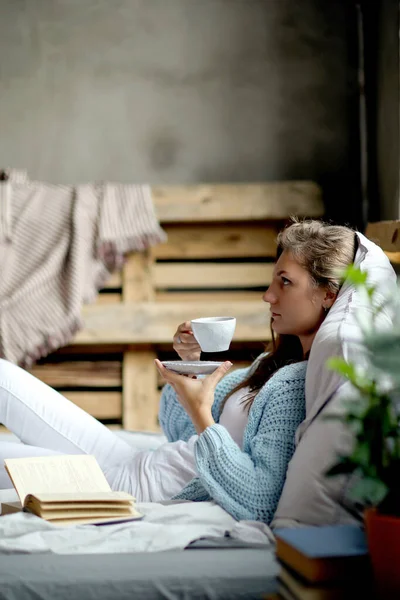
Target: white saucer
(191, 367)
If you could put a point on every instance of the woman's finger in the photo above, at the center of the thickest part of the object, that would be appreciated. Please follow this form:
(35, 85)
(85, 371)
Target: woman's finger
(183, 329)
(218, 374)
(167, 374)
(185, 338)
(186, 326)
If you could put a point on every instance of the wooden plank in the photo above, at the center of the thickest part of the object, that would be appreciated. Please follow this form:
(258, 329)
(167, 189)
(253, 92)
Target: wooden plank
(218, 241)
(151, 322)
(210, 296)
(136, 278)
(72, 351)
(140, 396)
(108, 298)
(211, 275)
(114, 282)
(237, 202)
(386, 234)
(102, 405)
(99, 373)
(394, 257)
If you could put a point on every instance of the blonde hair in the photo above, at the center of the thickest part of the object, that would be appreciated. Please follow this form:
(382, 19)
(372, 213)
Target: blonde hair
(324, 250)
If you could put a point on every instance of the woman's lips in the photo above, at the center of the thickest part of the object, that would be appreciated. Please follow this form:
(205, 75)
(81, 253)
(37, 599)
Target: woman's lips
(273, 314)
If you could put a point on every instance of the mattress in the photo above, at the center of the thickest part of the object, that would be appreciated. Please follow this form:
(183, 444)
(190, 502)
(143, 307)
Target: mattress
(214, 574)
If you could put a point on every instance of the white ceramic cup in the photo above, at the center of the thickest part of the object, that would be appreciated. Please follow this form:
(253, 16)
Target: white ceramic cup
(214, 334)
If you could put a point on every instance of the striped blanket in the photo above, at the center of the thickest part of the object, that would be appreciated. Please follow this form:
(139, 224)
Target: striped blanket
(58, 246)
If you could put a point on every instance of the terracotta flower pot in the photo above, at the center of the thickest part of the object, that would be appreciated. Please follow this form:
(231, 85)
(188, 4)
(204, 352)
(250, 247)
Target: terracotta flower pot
(383, 535)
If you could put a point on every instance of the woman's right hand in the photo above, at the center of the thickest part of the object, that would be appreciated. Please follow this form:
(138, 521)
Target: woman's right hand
(185, 344)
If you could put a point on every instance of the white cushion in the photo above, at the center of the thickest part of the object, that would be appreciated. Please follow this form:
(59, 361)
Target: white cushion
(339, 333)
(308, 497)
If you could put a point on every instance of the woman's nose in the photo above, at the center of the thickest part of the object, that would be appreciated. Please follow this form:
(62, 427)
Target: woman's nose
(269, 296)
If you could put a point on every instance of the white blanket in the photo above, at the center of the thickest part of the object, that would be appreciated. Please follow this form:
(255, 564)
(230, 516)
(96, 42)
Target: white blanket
(167, 526)
(170, 526)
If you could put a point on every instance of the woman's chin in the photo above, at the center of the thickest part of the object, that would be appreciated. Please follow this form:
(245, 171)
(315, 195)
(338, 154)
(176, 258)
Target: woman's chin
(279, 328)
(275, 327)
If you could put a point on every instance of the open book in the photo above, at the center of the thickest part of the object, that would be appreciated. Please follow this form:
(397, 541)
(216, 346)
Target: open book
(68, 490)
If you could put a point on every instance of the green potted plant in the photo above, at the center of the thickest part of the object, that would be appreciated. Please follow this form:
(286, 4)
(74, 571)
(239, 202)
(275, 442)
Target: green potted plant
(373, 415)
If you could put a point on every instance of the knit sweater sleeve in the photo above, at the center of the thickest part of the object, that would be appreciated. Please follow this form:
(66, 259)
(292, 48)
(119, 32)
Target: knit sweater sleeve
(248, 483)
(174, 420)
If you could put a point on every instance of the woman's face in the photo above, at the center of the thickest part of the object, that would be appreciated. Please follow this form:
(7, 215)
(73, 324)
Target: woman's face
(297, 306)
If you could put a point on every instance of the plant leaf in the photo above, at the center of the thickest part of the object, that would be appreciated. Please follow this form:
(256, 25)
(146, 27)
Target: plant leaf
(372, 414)
(341, 366)
(369, 490)
(355, 275)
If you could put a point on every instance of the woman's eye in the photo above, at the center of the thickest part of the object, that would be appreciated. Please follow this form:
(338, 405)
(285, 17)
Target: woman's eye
(285, 281)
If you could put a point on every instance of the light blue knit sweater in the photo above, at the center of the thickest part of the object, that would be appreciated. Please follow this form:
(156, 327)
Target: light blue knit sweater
(247, 483)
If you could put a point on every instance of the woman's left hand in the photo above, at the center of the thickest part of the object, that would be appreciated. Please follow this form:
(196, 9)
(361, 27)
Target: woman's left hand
(195, 395)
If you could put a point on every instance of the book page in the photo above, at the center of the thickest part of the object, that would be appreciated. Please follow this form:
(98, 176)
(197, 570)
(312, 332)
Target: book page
(52, 474)
(91, 497)
(75, 505)
(96, 521)
(54, 515)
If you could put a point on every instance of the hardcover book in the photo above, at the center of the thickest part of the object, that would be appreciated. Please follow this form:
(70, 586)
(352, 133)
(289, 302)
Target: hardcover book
(326, 553)
(68, 490)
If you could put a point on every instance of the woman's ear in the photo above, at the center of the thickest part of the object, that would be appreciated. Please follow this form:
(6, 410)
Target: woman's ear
(329, 299)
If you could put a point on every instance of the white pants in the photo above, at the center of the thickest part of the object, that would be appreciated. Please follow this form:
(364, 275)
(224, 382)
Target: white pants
(47, 423)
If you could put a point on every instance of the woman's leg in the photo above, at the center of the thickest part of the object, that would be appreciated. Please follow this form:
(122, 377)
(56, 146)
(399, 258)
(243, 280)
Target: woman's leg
(44, 419)
(157, 475)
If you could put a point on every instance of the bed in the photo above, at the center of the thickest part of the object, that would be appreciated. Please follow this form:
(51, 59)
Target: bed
(212, 568)
(118, 362)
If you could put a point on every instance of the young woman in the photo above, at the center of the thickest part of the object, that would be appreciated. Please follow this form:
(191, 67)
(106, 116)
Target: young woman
(231, 436)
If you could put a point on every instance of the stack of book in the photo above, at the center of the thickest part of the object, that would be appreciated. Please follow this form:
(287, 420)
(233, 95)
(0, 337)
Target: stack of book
(67, 490)
(323, 563)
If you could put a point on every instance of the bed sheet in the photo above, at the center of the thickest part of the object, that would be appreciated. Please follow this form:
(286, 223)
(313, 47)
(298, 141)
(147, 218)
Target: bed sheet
(198, 572)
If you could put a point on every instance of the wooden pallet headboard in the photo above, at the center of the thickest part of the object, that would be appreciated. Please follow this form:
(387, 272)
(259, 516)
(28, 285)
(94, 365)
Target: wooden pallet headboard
(218, 259)
(387, 235)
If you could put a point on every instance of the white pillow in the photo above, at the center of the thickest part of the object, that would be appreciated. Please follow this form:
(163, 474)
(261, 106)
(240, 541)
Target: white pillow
(308, 497)
(340, 331)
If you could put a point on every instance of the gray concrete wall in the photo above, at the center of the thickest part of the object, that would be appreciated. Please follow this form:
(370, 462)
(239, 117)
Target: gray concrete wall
(388, 125)
(178, 91)
(381, 44)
